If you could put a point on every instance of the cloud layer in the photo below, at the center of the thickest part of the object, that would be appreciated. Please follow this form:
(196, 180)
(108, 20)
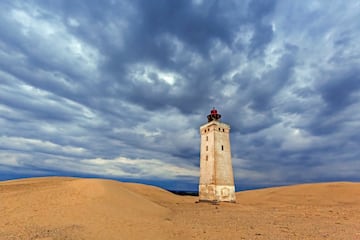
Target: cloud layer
(119, 89)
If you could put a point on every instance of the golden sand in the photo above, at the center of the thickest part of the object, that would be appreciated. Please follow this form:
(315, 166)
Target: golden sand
(56, 208)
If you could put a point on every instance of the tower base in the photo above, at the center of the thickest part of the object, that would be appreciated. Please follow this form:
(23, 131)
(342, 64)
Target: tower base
(216, 193)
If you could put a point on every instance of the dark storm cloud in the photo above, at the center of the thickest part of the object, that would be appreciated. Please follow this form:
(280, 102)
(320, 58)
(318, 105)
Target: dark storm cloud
(258, 11)
(119, 88)
(340, 89)
(151, 41)
(196, 26)
(270, 83)
(149, 35)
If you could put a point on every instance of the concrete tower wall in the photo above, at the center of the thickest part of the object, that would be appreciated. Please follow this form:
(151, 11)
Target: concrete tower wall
(207, 156)
(224, 172)
(207, 164)
(216, 173)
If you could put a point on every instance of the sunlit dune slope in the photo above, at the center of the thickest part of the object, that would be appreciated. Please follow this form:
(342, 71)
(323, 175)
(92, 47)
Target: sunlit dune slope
(322, 194)
(95, 208)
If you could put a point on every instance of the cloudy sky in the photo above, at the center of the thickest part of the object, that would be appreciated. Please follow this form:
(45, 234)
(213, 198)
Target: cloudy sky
(119, 89)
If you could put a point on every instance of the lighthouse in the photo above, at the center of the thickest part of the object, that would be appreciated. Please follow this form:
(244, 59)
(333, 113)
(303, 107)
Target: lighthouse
(216, 173)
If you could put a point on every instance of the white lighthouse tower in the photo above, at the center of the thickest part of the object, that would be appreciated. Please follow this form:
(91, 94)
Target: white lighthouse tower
(216, 174)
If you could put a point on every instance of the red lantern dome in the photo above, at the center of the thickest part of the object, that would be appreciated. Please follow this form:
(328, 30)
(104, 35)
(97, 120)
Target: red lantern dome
(213, 115)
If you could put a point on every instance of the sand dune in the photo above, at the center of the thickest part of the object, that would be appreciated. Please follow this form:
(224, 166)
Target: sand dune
(72, 208)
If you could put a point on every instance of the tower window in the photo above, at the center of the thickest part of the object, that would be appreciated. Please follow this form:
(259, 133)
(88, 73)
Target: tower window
(219, 129)
(206, 158)
(206, 148)
(207, 138)
(223, 130)
(222, 147)
(205, 130)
